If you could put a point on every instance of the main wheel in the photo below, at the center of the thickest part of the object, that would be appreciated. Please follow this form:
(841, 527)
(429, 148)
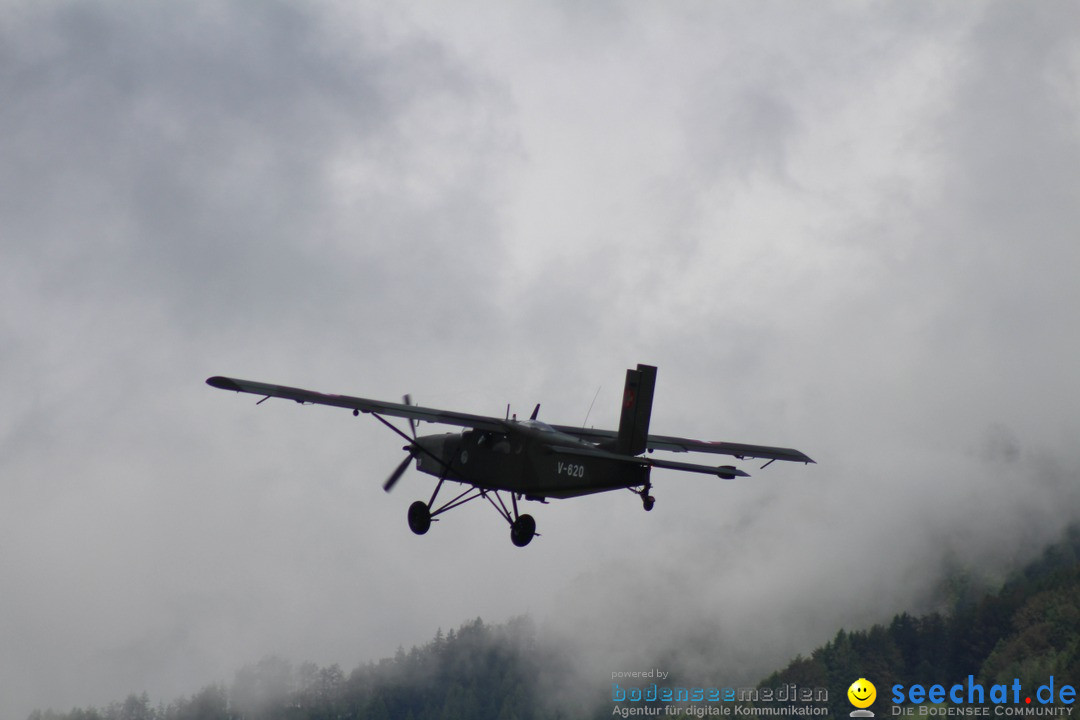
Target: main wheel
(419, 517)
(523, 530)
(648, 502)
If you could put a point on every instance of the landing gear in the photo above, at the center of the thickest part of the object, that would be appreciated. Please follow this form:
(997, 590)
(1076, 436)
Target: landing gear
(522, 530)
(647, 500)
(419, 517)
(522, 526)
(422, 514)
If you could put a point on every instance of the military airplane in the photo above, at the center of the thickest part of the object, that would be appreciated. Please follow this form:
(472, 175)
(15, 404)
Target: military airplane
(528, 459)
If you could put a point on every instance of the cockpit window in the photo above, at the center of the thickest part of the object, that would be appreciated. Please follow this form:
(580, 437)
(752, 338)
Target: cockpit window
(538, 425)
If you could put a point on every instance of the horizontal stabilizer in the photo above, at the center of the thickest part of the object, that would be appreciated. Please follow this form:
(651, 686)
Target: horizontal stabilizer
(728, 472)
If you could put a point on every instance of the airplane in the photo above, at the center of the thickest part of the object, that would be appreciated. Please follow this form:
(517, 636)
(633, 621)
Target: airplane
(528, 459)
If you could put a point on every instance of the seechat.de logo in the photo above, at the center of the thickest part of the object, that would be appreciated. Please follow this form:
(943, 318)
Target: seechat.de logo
(862, 694)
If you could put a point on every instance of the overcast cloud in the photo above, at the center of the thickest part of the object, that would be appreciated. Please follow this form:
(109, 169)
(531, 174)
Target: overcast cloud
(846, 228)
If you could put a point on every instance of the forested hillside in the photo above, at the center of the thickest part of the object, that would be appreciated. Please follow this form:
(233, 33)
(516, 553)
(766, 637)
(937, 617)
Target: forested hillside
(477, 671)
(1029, 629)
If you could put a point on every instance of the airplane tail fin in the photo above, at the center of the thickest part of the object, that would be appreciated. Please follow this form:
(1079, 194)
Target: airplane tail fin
(636, 410)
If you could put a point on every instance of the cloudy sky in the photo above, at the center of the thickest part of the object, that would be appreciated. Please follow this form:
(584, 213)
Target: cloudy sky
(849, 228)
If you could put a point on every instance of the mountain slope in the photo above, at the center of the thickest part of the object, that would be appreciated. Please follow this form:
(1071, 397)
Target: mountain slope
(1029, 629)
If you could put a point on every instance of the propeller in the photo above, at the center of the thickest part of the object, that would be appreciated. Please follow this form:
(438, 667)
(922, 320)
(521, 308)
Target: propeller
(400, 469)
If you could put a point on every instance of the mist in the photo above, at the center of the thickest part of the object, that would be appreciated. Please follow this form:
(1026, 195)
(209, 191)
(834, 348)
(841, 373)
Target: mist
(844, 229)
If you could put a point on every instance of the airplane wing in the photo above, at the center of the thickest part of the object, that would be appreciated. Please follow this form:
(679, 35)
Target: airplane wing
(494, 424)
(678, 444)
(358, 404)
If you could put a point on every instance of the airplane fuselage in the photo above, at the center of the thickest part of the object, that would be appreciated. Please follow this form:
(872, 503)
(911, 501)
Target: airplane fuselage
(533, 460)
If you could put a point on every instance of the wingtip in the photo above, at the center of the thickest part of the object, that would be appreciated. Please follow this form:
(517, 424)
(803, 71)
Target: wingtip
(223, 383)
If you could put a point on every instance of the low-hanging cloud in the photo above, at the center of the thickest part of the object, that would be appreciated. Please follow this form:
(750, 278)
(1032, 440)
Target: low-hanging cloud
(853, 240)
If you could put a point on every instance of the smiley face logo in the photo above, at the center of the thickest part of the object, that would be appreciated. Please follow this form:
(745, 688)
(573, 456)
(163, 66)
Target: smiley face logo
(862, 693)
